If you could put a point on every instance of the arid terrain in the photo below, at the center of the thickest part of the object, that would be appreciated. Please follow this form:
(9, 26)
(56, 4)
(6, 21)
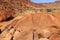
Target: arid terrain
(25, 20)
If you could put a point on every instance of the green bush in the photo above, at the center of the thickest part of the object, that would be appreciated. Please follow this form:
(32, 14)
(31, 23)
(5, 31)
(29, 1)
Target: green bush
(49, 10)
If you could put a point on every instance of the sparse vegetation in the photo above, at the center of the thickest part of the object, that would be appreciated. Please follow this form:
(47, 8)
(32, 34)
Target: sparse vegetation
(48, 10)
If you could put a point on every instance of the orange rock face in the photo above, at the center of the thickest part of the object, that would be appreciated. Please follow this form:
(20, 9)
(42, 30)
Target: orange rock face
(8, 8)
(55, 37)
(38, 26)
(5, 15)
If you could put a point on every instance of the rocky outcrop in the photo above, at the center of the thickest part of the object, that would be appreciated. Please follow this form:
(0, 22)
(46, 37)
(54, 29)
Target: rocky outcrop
(28, 22)
(20, 7)
(38, 26)
(12, 7)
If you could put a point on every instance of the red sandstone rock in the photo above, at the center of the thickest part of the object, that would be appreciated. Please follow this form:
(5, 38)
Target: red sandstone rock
(41, 25)
(55, 37)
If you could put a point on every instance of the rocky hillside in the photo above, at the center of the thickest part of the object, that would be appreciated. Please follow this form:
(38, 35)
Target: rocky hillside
(25, 20)
(55, 6)
(40, 26)
(13, 7)
(22, 7)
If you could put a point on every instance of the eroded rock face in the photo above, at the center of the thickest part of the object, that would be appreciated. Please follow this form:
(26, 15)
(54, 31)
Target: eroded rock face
(32, 26)
(9, 8)
(55, 37)
(5, 15)
(19, 7)
(40, 26)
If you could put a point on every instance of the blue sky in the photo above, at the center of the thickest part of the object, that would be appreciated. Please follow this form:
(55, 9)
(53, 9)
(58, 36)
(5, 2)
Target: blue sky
(42, 1)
